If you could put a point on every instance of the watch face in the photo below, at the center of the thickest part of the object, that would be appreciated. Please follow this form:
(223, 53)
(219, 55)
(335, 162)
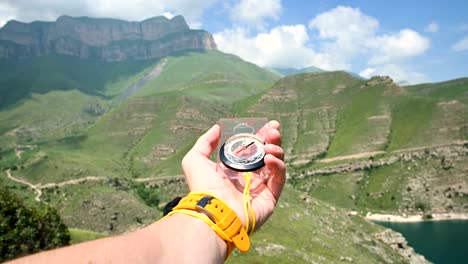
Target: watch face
(243, 152)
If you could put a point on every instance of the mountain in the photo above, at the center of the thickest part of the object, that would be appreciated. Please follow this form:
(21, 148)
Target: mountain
(292, 71)
(102, 39)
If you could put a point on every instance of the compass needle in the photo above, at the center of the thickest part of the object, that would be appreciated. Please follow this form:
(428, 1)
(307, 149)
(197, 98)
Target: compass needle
(244, 147)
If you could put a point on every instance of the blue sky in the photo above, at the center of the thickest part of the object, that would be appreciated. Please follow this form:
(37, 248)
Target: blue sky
(414, 41)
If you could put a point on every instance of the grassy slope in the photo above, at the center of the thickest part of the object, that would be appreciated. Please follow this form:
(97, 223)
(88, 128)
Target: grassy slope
(130, 139)
(210, 75)
(19, 79)
(78, 235)
(52, 97)
(312, 231)
(430, 114)
(160, 122)
(332, 234)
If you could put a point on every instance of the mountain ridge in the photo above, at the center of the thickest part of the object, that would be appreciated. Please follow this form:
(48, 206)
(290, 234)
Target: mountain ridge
(101, 38)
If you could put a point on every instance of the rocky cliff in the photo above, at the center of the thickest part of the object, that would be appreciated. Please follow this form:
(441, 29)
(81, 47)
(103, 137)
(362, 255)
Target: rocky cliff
(105, 39)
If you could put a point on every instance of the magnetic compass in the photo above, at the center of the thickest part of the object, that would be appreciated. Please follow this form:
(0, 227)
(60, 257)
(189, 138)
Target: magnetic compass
(243, 152)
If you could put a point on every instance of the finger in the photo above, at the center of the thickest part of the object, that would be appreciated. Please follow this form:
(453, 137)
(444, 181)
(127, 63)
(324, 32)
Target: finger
(275, 151)
(274, 124)
(263, 131)
(274, 137)
(208, 142)
(277, 169)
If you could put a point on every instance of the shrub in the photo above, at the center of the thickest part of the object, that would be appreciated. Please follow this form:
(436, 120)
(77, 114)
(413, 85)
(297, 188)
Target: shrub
(25, 230)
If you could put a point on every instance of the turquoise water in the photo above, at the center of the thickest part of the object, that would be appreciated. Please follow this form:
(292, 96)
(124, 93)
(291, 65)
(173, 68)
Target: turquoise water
(439, 241)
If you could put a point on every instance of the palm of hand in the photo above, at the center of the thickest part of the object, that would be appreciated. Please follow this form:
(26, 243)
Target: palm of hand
(202, 175)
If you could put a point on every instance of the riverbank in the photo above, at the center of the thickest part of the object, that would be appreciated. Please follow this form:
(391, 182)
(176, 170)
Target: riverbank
(416, 218)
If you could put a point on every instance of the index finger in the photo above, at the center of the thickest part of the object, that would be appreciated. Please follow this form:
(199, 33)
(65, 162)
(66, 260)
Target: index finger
(263, 131)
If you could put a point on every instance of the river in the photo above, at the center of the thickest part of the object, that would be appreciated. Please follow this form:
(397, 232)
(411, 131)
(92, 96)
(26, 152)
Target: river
(439, 241)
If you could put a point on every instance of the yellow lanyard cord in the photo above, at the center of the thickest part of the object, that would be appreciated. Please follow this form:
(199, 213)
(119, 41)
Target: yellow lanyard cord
(248, 210)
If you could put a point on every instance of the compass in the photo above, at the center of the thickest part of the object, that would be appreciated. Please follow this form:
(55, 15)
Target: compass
(243, 152)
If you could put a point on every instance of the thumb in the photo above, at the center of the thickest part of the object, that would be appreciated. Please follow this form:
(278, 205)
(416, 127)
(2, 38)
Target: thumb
(208, 142)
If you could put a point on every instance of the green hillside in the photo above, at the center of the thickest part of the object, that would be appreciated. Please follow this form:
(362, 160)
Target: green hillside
(21, 79)
(52, 97)
(103, 142)
(371, 145)
(306, 230)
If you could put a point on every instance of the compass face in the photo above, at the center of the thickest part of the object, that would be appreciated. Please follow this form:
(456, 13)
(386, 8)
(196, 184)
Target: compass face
(243, 152)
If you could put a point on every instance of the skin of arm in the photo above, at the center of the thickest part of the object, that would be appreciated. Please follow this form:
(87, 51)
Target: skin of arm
(182, 238)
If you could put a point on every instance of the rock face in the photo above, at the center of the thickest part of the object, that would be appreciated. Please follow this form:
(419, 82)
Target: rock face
(104, 39)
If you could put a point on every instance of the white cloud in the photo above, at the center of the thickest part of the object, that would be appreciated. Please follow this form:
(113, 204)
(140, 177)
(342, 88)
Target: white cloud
(6, 13)
(253, 12)
(349, 32)
(346, 34)
(461, 45)
(367, 73)
(396, 72)
(433, 27)
(168, 15)
(283, 47)
(135, 10)
(343, 35)
(344, 24)
(394, 47)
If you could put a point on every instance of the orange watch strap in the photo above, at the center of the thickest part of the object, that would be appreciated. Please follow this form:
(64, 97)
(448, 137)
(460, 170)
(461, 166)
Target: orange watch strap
(221, 215)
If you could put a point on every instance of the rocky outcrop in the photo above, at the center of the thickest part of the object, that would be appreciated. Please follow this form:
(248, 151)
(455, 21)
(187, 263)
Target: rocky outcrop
(104, 39)
(398, 243)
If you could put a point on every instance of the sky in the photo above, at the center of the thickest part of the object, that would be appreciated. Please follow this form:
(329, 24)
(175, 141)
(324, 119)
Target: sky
(411, 41)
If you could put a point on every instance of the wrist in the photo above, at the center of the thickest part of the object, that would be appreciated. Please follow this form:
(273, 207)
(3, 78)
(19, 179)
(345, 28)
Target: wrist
(183, 239)
(202, 230)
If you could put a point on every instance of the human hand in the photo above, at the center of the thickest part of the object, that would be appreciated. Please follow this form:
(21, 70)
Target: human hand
(202, 175)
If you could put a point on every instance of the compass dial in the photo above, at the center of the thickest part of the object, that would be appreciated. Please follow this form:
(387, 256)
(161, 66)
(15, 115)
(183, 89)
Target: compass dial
(243, 152)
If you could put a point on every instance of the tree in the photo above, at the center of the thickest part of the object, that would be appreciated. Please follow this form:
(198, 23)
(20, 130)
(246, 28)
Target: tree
(25, 229)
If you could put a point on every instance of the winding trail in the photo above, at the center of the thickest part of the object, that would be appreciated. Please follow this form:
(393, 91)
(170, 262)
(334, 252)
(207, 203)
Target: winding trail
(71, 182)
(37, 190)
(352, 156)
(159, 178)
(373, 153)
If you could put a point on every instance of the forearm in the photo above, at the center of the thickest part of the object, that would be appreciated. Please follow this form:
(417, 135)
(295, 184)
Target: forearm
(177, 239)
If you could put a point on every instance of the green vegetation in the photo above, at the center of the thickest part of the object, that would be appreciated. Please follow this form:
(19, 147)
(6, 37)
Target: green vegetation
(309, 230)
(210, 75)
(149, 196)
(351, 128)
(25, 230)
(410, 121)
(78, 235)
(22, 78)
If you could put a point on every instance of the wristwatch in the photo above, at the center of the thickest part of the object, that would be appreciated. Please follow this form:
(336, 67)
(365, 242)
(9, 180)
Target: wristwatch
(221, 215)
